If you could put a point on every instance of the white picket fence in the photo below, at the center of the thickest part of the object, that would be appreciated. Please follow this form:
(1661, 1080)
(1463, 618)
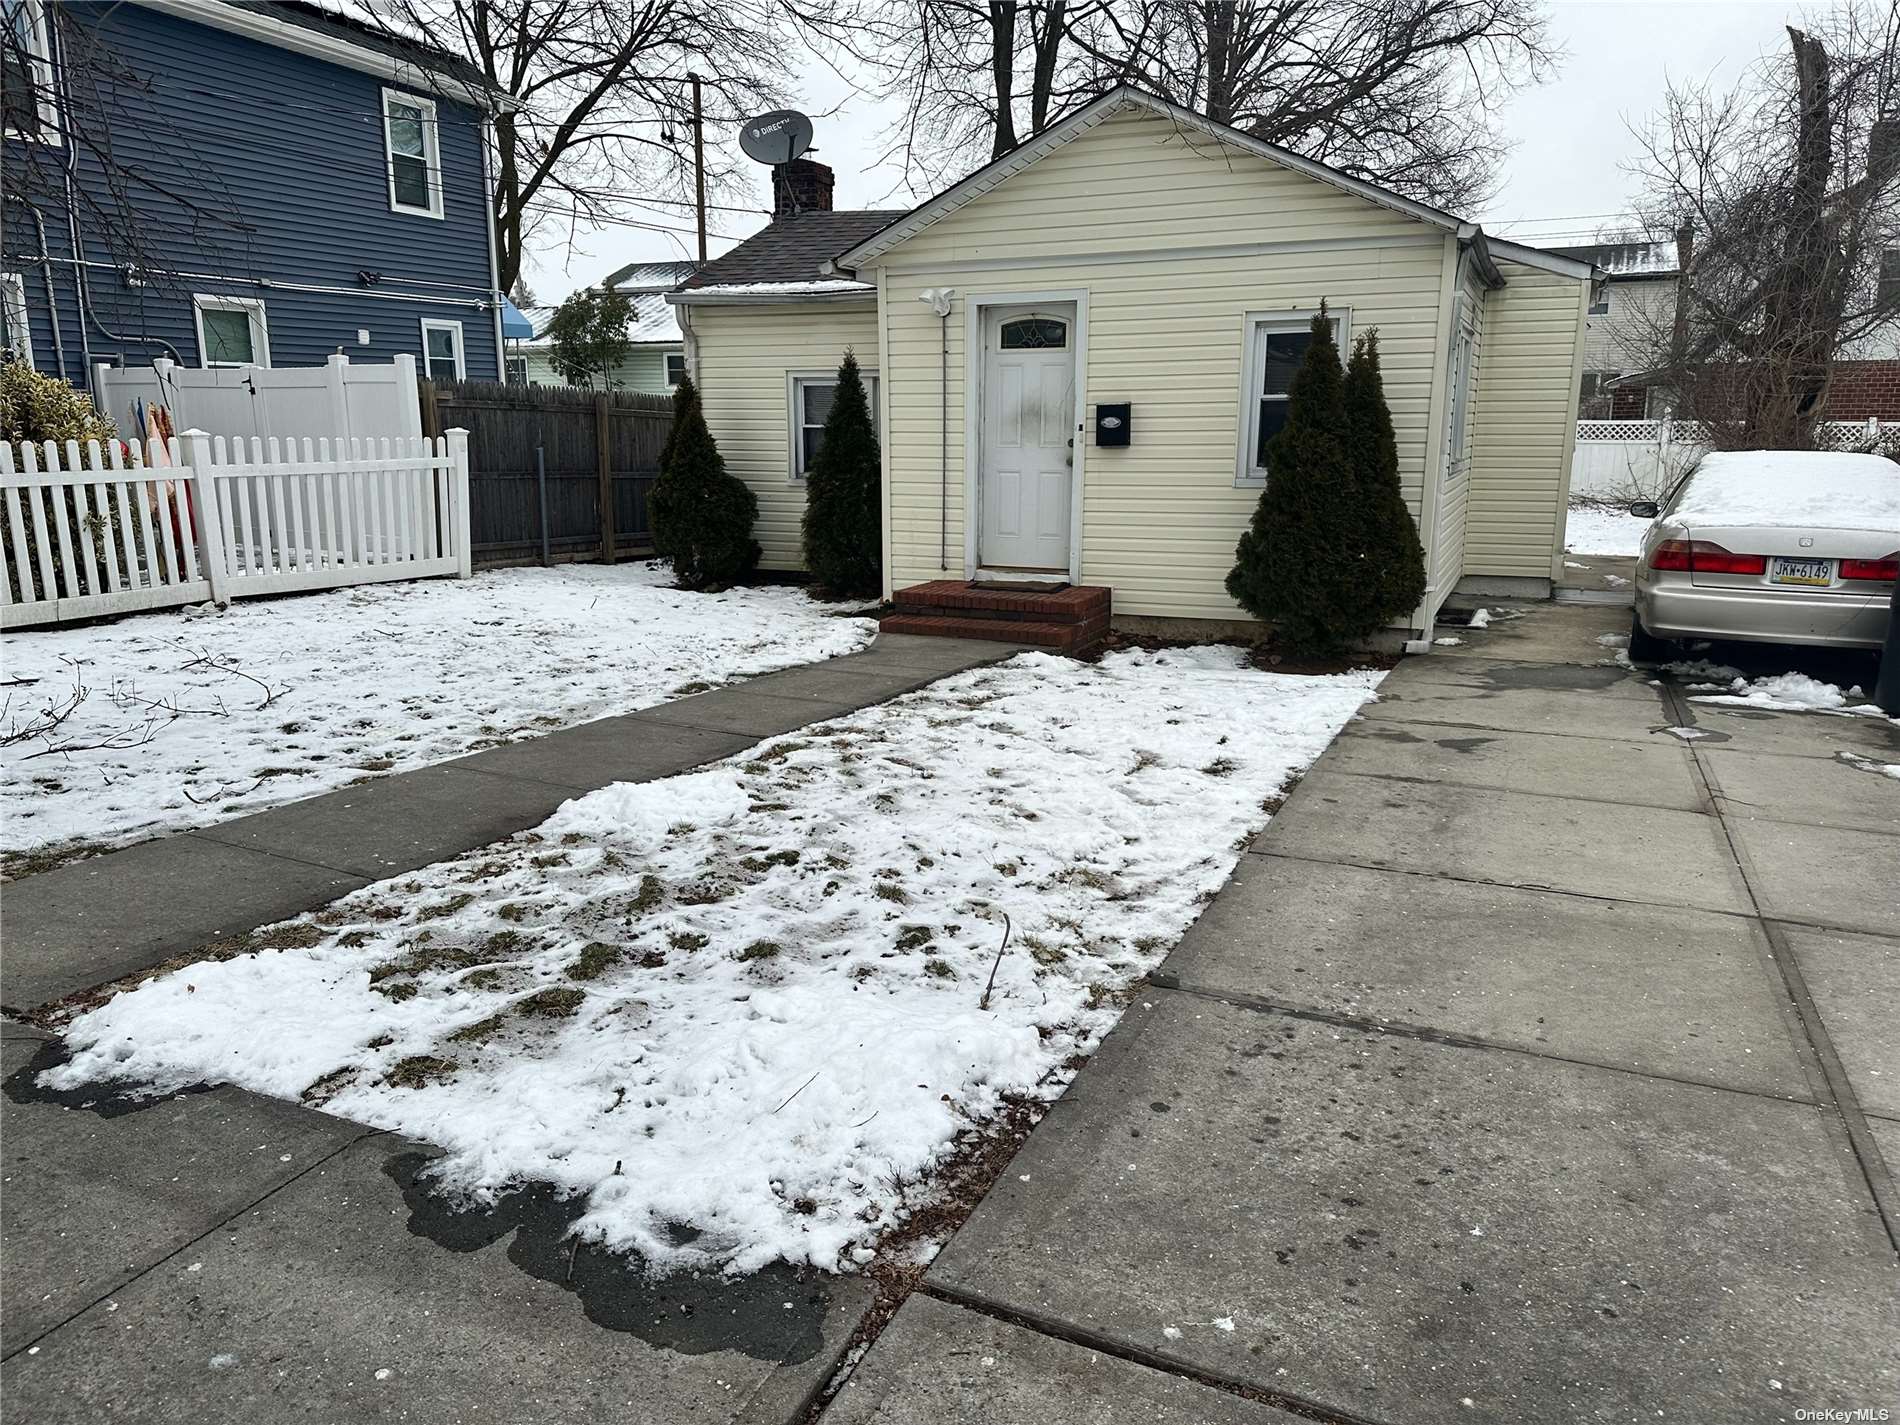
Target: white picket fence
(114, 529)
(1642, 460)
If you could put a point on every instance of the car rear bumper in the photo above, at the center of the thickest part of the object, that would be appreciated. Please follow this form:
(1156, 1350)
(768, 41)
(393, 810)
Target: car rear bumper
(1669, 609)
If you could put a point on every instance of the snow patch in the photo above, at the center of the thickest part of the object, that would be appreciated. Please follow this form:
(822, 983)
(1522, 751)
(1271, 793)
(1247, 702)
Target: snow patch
(1480, 619)
(739, 1011)
(1791, 692)
(1602, 530)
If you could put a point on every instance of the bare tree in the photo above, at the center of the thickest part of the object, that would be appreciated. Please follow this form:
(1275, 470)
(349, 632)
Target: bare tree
(600, 117)
(1784, 196)
(1403, 92)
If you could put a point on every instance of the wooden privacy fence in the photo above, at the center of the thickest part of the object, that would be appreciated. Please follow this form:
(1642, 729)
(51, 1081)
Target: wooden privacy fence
(555, 473)
(117, 528)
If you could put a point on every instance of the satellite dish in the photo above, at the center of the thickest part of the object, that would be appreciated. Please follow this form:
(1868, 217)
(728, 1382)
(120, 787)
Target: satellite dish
(777, 137)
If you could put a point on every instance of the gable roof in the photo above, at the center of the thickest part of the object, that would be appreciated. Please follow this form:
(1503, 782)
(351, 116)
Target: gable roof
(1126, 98)
(649, 276)
(790, 252)
(322, 33)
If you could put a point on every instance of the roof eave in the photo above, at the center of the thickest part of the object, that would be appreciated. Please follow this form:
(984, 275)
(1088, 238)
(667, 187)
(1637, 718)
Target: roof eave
(713, 297)
(334, 49)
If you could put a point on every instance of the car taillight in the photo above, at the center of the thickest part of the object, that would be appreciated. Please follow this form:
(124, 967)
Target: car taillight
(1702, 556)
(1883, 571)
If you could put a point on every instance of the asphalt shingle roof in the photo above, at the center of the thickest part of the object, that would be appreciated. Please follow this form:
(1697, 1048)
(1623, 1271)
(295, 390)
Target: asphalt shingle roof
(790, 248)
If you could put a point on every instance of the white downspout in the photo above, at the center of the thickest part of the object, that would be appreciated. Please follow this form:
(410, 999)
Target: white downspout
(494, 263)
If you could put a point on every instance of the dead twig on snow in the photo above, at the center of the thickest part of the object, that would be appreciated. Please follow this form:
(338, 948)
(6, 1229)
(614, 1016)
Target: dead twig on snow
(997, 963)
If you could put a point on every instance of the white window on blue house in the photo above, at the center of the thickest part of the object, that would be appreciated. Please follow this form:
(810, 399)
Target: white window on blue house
(26, 71)
(15, 335)
(811, 403)
(232, 331)
(415, 154)
(1276, 345)
(442, 350)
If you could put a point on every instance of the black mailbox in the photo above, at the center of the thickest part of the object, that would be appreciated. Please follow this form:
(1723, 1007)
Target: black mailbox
(1113, 423)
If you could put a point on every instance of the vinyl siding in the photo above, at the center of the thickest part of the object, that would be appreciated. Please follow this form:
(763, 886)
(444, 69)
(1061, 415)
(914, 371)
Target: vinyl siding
(1525, 424)
(1111, 212)
(284, 155)
(643, 372)
(742, 357)
(1449, 524)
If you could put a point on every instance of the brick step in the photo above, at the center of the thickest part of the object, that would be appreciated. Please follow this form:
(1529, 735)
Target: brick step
(1058, 637)
(1079, 604)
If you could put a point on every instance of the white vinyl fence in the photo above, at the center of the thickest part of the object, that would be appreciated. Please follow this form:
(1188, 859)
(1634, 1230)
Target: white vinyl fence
(1642, 460)
(337, 399)
(112, 530)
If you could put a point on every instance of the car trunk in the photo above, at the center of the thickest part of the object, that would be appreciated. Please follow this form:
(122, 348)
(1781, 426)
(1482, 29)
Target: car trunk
(1804, 559)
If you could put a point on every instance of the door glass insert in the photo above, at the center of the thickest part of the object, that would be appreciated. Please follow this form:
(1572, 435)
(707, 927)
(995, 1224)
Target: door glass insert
(1034, 333)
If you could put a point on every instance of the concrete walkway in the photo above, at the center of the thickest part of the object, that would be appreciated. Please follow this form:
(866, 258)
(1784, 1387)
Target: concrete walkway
(94, 921)
(225, 1257)
(1536, 1065)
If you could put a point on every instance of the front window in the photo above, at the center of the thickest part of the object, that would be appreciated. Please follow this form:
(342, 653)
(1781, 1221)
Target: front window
(26, 70)
(811, 405)
(232, 331)
(415, 154)
(442, 350)
(1277, 346)
(675, 367)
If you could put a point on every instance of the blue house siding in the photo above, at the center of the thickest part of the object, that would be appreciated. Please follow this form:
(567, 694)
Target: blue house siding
(283, 156)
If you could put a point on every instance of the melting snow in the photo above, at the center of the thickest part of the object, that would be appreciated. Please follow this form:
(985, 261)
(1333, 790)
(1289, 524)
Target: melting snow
(386, 677)
(738, 1010)
(1790, 692)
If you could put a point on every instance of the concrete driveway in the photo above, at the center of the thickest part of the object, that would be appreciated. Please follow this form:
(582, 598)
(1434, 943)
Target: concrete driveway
(1535, 1065)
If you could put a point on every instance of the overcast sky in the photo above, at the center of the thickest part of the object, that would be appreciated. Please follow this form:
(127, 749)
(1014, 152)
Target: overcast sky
(1562, 183)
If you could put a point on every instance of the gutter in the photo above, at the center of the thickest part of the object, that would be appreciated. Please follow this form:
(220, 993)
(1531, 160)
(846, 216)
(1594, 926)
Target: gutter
(494, 268)
(713, 297)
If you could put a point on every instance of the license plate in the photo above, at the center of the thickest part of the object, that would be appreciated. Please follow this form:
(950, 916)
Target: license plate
(1801, 571)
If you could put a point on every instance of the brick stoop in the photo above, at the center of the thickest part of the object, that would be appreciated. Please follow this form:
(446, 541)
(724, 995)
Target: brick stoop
(1073, 619)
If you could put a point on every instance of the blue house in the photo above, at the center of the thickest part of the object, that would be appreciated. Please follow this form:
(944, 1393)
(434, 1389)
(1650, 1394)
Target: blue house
(226, 182)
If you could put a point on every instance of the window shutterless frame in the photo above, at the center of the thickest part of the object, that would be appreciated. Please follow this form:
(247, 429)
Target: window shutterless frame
(18, 335)
(214, 346)
(675, 367)
(1256, 328)
(412, 148)
(796, 385)
(442, 341)
(29, 47)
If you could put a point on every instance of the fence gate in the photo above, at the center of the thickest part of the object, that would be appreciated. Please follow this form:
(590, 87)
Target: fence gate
(547, 462)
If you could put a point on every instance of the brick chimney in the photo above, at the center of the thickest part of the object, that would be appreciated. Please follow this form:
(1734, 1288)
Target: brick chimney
(801, 186)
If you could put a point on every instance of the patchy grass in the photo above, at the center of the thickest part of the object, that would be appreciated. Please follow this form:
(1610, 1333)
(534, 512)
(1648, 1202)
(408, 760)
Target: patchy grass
(759, 950)
(419, 1071)
(551, 1004)
(597, 957)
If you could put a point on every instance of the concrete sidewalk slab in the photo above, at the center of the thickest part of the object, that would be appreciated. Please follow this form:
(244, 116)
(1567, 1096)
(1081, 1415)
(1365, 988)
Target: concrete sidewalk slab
(1661, 774)
(384, 828)
(95, 1196)
(1543, 633)
(752, 711)
(1855, 982)
(615, 749)
(1411, 1232)
(939, 1364)
(1818, 791)
(941, 655)
(1522, 697)
(1794, 734)
(843, 680)
(1659, 990)
(1511, 838)
(323, 1303)
(1823, 875)
(97, 920)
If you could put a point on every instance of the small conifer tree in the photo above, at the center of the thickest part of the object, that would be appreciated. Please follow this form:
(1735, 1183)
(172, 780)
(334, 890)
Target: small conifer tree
(1390, 560)
(843, 520)
(1294, 566)
(701, 516)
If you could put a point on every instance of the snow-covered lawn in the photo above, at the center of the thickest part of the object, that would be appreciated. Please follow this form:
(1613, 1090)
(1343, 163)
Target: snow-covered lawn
(1603, 529)
(742, 1010)
(186, 720)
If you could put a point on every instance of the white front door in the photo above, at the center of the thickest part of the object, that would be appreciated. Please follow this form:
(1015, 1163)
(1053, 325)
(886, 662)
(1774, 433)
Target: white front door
(1028, 438)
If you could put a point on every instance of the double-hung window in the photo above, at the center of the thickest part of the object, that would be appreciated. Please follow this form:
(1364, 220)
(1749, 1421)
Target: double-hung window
(442, 350)
(232, 331)
(414, 147)
(1276, 345)
(675, 367)
(811, 397)
(26, 70)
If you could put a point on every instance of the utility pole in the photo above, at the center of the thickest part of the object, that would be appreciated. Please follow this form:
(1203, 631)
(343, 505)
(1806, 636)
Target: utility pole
(699, 166)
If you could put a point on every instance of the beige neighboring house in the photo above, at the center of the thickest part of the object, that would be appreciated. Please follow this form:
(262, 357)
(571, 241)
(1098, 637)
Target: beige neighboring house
(657, 356)
(1139, 264)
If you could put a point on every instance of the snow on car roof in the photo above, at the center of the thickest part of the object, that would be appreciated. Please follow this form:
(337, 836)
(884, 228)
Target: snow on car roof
(1785, 488)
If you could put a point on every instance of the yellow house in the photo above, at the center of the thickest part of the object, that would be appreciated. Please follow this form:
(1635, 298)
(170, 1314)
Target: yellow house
(1078, 353)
